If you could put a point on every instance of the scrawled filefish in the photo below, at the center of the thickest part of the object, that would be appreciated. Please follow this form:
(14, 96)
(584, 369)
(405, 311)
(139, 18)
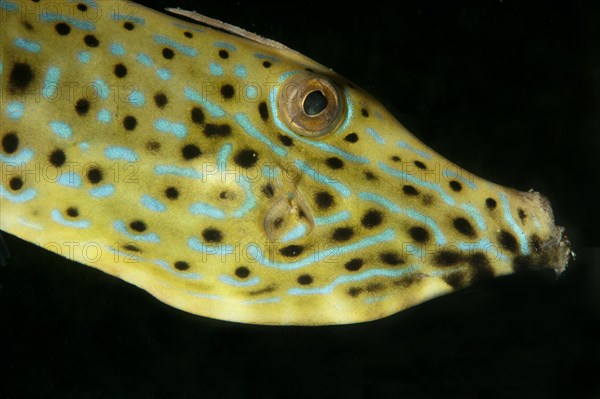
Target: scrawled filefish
(234, 178)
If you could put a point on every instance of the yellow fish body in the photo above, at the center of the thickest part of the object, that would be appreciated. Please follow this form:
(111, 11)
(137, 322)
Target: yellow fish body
(234, 178)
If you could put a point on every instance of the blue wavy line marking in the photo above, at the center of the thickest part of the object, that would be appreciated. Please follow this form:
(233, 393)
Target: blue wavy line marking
(513, 225)
(240, 71)
(405, 145)
(132, 18)
(410, 178)
(78, 224)
(28, 45)
(215, 69)
(23, 197)
(84, 57)
(349, 110)
(294, 234)
(29, 224)
(121, 227)
(54, 17)
(411, 213)
(251, 92)
(190, 173)
(117, 49)
(84, 146)
(373, 133)
(274, 299)
(201, 208)
(61, 129)
(102, 191)
(374, 299)
(323, 179)
(415, 250)
(70, 179)
(177, 129)
(249, 202)
(15, 110)
(223, 156)
(22, 157)
(243, 120)
(8, 6)
(218, 249)
(225, 45)
(187, 50)
(163, 73)
(101, 89)
(231, 281)
(104, 116)
(213, 109)
(449, 174)
(136, 98)
(145, 60)
(121, 153)
(51, 82)
(474, 213)
(152, 203)
(204, 296)
(318, 256)
(183, 26)
(338, 217)
(261, 56)
(353, 278)
(320, 145)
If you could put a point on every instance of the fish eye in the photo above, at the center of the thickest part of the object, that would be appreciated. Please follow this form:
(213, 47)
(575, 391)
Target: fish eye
(310, 105)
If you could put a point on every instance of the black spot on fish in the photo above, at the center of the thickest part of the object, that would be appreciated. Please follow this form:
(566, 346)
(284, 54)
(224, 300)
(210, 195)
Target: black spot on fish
(305, 279)
(508, 241)
(396, 158)
(213, 130)
(246, 158)
(456, 280)
(21, 77)
(370, 175)
(482, 270)
(536, 243)
(212, 235)
(223, 54)
(455, 186)
(82, 7)
(227, 91)
(374, 287)
(364, 112)
(263, 111)
(190, 151)
(94, 175)
(291, 251)
(153, 146)
(409, 190)
(324, 200)
(120, 71)
(260, 291)
(172, 193)
(463, 226)
(82, 107)
(129, 122)
(57, 158)
(490, 203)
(131, 247)
(420, 165)
(181, 265)
(168, 54)
(391, 258)
(16, 183)
(267, 64)
(354, 291)
(447, 258)
(138, 225)
(427, 199)
(419, 234)
(242, 272)
(268, 190)
(372, 218)
(161, 100)
(128, 25)
(342, 234)
(188, 34)
(91, 41)
(527, 262)
(286, 140)
(27, 25)
(351, 138)
(354, 264)
(10, 142)
(72, 212)
(62, 29)
(522, 214)
(334, 163)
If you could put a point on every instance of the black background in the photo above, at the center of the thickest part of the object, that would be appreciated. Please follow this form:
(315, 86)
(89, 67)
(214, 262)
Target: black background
(508, 90)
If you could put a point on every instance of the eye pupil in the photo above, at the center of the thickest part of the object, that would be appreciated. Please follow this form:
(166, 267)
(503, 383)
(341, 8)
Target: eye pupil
(315, 103)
